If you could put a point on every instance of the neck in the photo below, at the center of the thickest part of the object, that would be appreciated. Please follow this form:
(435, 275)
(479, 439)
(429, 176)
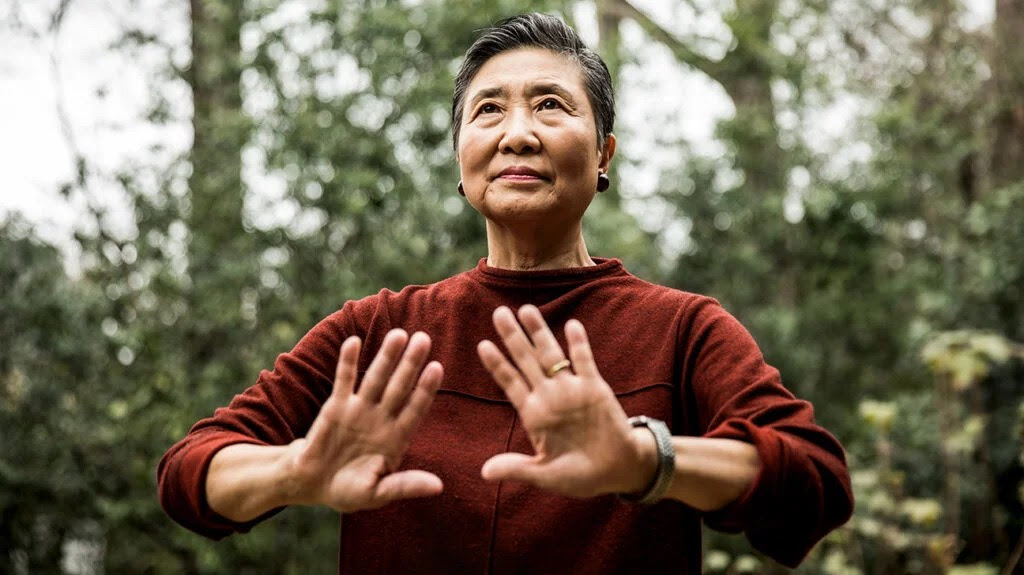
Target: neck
(536, 248)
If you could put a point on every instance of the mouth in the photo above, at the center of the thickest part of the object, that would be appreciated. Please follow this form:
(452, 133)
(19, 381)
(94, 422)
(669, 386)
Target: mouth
(520, 174)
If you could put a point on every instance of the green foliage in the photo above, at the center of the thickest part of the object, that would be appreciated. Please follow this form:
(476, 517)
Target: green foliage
(887, 286)
(54, 406)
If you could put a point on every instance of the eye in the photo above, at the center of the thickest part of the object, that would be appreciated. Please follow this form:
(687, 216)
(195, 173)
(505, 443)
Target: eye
(488, 109)
(550, 104)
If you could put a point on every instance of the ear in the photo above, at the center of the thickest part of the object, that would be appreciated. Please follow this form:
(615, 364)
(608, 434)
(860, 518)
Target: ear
(607, 153)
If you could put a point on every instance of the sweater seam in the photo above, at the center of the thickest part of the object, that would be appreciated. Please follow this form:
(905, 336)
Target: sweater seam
(497, 500)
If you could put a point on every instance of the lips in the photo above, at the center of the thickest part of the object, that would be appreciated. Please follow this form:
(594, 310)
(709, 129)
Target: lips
(520, 173)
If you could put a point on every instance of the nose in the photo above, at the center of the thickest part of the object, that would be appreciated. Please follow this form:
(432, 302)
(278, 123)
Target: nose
(519, 136)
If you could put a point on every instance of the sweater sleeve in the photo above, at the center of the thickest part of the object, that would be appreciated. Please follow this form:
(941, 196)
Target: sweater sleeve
(279, 408)
(803, 489)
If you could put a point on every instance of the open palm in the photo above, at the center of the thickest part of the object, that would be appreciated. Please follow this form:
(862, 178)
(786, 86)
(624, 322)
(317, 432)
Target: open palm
(349, 458)
(583, 444)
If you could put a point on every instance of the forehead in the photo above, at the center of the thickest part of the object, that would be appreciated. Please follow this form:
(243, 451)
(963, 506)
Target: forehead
(524, 67)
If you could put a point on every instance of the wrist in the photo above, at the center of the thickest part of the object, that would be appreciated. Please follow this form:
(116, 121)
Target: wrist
(657, 451)
(645, 462)
(244, 481)
(291, 485)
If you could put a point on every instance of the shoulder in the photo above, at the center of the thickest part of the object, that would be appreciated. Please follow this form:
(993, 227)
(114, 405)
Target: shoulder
(698, 321)
(681, 303)
(416, 296)
(357, 315)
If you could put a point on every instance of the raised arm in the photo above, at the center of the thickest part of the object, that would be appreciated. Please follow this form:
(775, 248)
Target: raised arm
(349, 457)
(762, 466)
(585, 445)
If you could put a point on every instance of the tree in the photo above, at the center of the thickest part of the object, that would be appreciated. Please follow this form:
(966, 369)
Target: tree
(1008, 78)
(343, 112)
(844, 263)
(49, 363)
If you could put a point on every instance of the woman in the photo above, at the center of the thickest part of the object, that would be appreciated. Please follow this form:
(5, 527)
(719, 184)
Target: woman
(598, 444)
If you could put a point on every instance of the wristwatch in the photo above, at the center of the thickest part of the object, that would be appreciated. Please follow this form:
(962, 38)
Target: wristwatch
(666, 461)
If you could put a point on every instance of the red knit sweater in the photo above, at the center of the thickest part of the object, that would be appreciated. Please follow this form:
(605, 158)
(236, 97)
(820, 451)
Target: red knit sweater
(668, 354)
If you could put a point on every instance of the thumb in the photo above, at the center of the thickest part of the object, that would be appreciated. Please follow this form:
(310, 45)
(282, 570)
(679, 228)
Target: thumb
(511, 466)
(408, 484)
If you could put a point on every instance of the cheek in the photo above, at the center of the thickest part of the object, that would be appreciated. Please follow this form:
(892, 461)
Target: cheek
(472, 157)
(578, 158)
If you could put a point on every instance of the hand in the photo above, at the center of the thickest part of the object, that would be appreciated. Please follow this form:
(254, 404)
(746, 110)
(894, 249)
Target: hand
(584, 445)
(348, 459)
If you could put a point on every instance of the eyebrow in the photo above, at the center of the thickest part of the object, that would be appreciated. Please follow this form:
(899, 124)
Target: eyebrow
(484, 94)
(532, 91)
(550, 88)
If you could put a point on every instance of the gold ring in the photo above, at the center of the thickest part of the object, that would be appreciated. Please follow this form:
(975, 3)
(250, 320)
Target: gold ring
(554, 369)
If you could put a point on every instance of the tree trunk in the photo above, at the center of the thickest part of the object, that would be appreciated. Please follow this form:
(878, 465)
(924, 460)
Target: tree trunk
(747, 77)
(609, 15)
(746, 73)
(220, 266)
(1008, 73)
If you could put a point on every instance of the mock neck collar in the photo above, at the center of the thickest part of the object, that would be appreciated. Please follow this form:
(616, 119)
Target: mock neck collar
(605, 267)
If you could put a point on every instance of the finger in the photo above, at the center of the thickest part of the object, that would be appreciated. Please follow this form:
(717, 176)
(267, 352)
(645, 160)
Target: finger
(420, 398)
(409, 368)
(544, 342)
(512, 467)
(579, 350)
(377, 375)
(503, 372)
(347, 368)
(518, 344)
(408, 484)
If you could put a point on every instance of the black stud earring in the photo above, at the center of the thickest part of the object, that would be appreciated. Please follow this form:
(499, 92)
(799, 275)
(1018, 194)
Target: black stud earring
(603, 182)
(462, 191)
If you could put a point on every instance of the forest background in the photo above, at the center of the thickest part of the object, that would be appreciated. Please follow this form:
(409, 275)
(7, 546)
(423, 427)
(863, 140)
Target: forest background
(881, 268)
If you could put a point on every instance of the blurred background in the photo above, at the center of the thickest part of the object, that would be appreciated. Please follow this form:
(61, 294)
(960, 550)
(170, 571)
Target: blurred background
(186, 188)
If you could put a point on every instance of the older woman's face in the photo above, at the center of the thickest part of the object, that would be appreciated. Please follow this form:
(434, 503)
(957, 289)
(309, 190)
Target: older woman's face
(527, 148)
